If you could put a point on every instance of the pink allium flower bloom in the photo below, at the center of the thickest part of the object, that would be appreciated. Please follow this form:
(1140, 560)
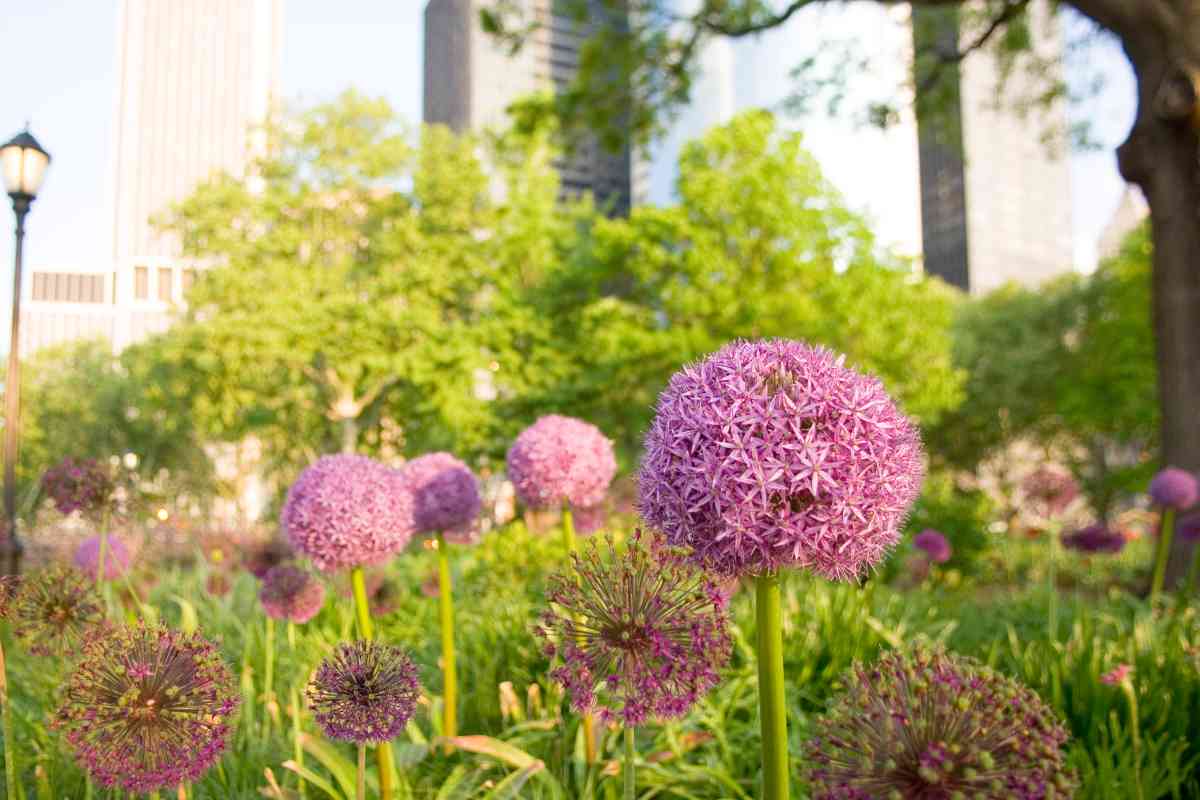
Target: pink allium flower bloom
(1052, 489)
(347, 511)
(1117, 676)
(364, 692)
(639, 635)
(1188, 528)
(1096, 538)
(289, 593)
(55, 610)
(116, 557)
(148, 708)
(1174, 488)
(559, 460)
(445, 494)
(936, 725)
(934, 544)
(83, 485)
(773, 454)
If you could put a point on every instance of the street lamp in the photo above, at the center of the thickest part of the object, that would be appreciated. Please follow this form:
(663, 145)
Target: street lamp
(24, 164)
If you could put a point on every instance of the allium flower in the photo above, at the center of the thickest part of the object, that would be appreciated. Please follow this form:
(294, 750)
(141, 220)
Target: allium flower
(364, 692)
(218, 584)
(936, 725)
(289, 593)
(445, 493)
(347, 511)
(1052, 489)
(640, 633)
(1188, 528)
(10, 585)
(1096, 538)
(934, 544)
(1117, 675)
(1174, 488)
(589, 520)
(54, 610)
(259, 558)
(147, 708)
(560, 460)
(774, 454)
(83, 485)
(116, 557)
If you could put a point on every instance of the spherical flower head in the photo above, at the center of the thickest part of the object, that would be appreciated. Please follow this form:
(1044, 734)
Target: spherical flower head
(364, 692)
(445, 493)
(147, 708)
(83, 485)
(347, 511)
(54, 610)
(291, 594)
(559, 460)
(935, 725)
(218, 584)
(1096, 538)
(116, 557)
(261, 556)
(1188, 528)
(589, 520)
(1051, 489)
(1117, 675)
(1174, 488)
(934, 544)
(640, 634)
(773, 454)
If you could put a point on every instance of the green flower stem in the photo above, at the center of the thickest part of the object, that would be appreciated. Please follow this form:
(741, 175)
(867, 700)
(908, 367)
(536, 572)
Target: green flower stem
(630, 778)
(589, 726)
(1135, 733)
(297, 747)
(155, 796)
(1052, 583)
(361, 792)
(449, 669)
(568, 527)
(101, 564)
(362, 609)
(1165, 534)
(269, 669)
(291, 636)
(771, 698)
(1194, 573)
(10, 764)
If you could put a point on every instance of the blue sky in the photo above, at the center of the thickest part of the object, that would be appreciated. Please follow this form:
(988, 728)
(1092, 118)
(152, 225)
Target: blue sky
(63, 53)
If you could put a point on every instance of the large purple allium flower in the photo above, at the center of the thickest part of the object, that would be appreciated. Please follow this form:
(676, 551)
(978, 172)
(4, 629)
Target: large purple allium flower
(936, 725)
(640, 633)
(1051, 489)
(54, 610)
(1174, 488)
(116, 557)
(260, 557)
(774, 454)
(559, 460)
(147, 708)
(84, 485)
(445, 493)
(364, 692)
(346, 511)
(934, 545)
(1096, 538)
(289, 593)
(1188, 528)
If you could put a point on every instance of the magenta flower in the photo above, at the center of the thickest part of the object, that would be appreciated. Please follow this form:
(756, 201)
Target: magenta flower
(589, 520)
(1174, 488)
(1188, 528)
(936, 725)
(54, 610)
(260, 557)
(364, 692)
(147, 708)
(445, 494)
(116, 561)
(347, 511)
(638, 635)
(559, 460)
(1052, 489)
(1096, 538)
(291, 594)
(1117, 676)
(773, 454)
(83, 485)
(934, 544)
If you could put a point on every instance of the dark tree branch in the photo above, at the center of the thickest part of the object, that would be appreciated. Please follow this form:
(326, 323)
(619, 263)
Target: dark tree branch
(1010, 11)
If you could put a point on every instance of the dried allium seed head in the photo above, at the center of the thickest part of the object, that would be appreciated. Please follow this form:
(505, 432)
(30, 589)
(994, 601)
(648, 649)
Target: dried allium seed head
(9, 586)
(292, 594)
(54, 610)
(445, 494)
(116, 557)
(147, 708)
(559, 460)
(773, 454)
(641, 633)
(364, 692)
(934, 725)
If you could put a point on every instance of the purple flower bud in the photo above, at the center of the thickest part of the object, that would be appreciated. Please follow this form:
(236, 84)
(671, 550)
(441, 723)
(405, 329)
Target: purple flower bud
(289, 593)
(934, 544)
(560, 460)
(1174, 488)
(364, 692)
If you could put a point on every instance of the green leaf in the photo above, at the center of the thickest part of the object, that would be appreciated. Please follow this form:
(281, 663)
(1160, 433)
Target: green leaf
(343, 769)
(316, 780)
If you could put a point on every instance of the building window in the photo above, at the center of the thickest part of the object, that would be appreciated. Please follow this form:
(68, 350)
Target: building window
(68, 287)
(189, 280)
(165, 276)
(141, 283)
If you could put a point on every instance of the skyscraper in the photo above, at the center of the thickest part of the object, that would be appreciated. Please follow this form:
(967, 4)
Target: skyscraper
(193, 78)
(471, 80)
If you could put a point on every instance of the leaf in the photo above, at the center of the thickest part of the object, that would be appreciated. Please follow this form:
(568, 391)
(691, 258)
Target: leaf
(316, 780)
(494, 748)
(189, 621)
(343, 769)
(510, 786)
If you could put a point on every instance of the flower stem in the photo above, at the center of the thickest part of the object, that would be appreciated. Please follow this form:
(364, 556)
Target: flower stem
(1052, 584)
(1194, 573)
(568, 526)
(1165, 534)
(10, 765)
(589, 723)
(1135, 734)
(362, 609)
(361, 792)
(291, 636)
(269, 670)
(449, 671)
(630, 778)
(102, 564)
(771, 698)
(297, 748)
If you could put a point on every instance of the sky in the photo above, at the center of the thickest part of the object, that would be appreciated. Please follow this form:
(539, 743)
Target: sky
(59, 56)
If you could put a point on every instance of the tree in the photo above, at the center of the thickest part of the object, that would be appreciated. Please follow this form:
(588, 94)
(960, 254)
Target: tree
(641, 56)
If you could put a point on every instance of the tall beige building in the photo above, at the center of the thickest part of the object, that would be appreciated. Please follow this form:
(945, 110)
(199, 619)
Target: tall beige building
(193, 79)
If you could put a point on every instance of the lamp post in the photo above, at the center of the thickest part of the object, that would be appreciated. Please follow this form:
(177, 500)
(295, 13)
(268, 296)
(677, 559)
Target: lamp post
(24, 164)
